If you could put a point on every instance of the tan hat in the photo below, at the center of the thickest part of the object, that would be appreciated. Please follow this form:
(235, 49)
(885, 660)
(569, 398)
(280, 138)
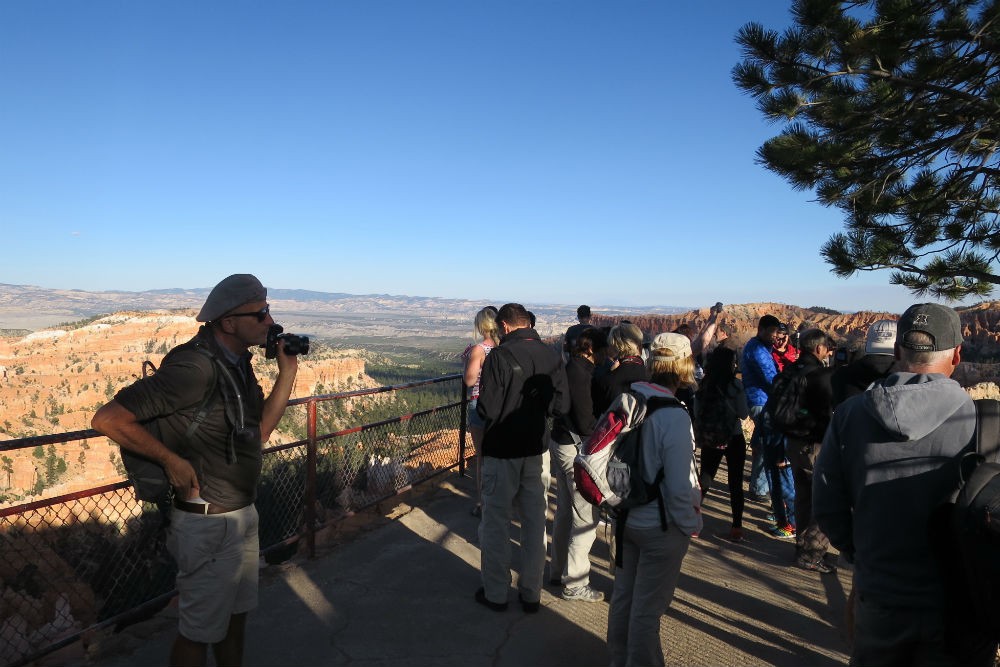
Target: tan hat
(678, 344)
(232, 292)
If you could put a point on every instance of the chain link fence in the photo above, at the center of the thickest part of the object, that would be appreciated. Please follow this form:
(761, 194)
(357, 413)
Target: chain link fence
(78, 563)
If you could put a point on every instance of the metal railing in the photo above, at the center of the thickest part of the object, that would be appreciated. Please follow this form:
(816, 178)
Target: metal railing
(81, 562)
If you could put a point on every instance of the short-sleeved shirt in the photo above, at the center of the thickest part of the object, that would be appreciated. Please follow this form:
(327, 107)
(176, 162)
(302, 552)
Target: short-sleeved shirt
(228, 467)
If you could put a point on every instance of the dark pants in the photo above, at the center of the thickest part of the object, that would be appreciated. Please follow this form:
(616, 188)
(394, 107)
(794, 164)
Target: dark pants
(890, 636)
(735, 452)
(810, 542)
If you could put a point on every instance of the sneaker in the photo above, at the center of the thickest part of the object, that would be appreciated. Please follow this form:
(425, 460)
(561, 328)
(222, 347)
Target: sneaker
(782, 532)
(736, 535)
(493, 606)
(583, 593)
(815, 566)
(528, 607)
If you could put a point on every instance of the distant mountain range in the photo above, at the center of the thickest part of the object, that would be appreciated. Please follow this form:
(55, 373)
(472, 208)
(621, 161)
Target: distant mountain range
(25, 307)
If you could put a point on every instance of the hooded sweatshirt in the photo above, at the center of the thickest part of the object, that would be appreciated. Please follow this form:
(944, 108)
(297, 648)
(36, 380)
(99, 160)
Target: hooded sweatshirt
(885, 465)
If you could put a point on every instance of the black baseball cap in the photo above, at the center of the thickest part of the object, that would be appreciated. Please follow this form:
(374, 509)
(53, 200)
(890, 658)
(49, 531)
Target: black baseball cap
(939, 322)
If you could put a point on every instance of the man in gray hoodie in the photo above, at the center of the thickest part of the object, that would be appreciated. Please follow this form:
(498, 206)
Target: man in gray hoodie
(882, 470)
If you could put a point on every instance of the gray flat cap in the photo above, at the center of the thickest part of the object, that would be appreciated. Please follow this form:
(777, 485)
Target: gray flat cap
(232, 292)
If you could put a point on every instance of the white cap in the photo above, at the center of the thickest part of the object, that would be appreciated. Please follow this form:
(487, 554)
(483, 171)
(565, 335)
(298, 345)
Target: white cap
(881, 337)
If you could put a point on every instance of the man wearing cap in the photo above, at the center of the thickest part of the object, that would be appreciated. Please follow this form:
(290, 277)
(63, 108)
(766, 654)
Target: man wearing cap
(214, 468)
(883, 469)
(876, 363)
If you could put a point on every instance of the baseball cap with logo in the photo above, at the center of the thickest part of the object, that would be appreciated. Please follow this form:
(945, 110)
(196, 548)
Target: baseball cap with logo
(880, 338)
(939, 322)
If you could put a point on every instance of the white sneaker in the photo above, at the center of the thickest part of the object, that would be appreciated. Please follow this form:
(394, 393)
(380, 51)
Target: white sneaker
(584, 593)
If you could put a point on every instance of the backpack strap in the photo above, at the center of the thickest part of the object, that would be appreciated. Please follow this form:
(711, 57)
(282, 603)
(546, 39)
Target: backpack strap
(988, 429)
(206, 403)
(649, 405)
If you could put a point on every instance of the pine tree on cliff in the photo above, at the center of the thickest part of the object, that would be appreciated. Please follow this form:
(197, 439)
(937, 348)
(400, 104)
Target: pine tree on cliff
(892, 115)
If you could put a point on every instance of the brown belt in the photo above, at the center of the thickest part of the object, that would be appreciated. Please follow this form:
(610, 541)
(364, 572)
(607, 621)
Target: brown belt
(202, 508)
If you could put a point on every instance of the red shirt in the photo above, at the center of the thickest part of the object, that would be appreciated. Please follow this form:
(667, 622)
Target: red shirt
(789, 356)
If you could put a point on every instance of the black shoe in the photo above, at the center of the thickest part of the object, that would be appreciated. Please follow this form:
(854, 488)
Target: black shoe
(492, 606)
(529, 607)
(555, 582)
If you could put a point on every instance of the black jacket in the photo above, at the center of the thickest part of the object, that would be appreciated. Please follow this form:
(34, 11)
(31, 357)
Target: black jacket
(523, 382)
(858, 375)
(818, 398)
(580, 418)
(608, 387)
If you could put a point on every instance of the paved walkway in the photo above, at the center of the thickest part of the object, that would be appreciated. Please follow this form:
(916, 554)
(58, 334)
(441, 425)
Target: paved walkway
(397, 589)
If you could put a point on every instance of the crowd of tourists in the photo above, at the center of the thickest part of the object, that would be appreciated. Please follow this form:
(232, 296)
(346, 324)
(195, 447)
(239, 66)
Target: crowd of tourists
(887, 413)
(862, 467)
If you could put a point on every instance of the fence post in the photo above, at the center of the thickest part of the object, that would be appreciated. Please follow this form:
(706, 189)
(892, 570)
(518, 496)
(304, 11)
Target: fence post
(310, 490)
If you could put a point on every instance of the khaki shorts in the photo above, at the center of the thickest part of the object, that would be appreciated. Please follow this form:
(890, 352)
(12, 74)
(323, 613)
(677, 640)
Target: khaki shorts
(217, 569)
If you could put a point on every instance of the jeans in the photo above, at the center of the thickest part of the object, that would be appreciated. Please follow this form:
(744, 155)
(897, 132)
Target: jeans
(779, 474)
(759, 484)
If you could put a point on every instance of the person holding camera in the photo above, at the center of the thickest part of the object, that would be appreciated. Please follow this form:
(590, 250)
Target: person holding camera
(213, 418)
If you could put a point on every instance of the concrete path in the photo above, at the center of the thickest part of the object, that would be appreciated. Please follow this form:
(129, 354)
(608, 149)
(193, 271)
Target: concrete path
(397, 588)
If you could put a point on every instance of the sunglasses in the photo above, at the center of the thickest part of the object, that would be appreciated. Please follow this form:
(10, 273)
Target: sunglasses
(261, 314)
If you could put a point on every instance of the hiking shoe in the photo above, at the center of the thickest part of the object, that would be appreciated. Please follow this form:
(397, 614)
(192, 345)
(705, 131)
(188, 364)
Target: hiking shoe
(583, 593)
(493, 606)
(815, 566)
(736, 535)
(528, 607)
(782, 532)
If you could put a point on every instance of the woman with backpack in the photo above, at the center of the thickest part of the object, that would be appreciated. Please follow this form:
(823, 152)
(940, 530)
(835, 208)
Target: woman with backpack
(654, 545)
(474, 356)
(720, 408)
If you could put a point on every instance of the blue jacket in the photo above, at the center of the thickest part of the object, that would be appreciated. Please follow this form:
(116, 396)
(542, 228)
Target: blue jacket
(758, 370)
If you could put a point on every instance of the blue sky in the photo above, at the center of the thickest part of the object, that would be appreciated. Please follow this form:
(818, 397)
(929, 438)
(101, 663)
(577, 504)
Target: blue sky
(542, 152)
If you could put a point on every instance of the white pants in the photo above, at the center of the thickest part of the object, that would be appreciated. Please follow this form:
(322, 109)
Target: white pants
(507, 482)
(574, 527)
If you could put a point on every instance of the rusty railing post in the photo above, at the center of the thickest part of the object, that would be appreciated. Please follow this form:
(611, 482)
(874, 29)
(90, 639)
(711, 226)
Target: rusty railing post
(462, 428)
(310, 490)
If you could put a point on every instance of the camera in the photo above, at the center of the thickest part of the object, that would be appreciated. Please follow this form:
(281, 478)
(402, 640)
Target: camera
(717, 308)
(294, 344)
